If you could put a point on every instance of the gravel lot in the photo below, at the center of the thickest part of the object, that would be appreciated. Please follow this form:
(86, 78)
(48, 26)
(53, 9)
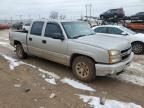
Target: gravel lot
(39, 83)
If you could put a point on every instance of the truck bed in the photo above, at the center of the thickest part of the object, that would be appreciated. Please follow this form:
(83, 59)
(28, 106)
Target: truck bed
(20, 36)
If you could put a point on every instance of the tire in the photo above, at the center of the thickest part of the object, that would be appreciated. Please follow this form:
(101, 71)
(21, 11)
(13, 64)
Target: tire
(20, 52)
(84, 68)
(102, 17)
(138, 48)
(115, 16)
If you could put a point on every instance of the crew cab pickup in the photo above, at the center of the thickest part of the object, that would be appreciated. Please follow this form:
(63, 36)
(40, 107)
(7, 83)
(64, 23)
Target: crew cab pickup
(74, 44)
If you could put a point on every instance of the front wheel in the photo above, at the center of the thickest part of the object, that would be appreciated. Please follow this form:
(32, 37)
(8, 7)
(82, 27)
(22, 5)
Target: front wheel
(138, 48)
(20, 52)
(84, 68)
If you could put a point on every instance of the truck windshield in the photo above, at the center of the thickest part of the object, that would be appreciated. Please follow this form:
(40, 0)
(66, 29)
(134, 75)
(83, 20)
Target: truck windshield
(77, 29)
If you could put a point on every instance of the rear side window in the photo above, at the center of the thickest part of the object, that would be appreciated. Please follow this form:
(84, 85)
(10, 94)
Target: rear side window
(27, 24)
(113, 30)
(37, 28)
(101, 30)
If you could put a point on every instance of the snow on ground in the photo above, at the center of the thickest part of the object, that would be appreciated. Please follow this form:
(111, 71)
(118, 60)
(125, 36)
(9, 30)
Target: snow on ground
(50, 80)
(51, 74)
(133, 74)
(49, 77)
(138, 80)
(77, 84)
(94, 102)
(12, 62)
(91, 100)
(7, 45)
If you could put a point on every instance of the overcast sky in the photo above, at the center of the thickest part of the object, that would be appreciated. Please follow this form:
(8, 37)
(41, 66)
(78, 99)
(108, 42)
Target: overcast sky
(71, 8)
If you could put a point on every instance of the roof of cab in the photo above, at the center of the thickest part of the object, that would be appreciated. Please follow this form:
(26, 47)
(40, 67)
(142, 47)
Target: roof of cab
(58, 21)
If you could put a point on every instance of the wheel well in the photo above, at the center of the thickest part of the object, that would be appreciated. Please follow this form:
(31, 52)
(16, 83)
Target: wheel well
(16, 42)
(76, 55)
(137, 42)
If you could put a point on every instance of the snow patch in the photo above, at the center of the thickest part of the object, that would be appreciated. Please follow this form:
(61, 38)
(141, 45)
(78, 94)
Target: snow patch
(77, 84)
(50, 80)
(137, 67)
(3, 43)
(7, 45)
(133, 74)
(95, 103)
(138, 80)
(51, 74)
(13, 63)
(49, 77)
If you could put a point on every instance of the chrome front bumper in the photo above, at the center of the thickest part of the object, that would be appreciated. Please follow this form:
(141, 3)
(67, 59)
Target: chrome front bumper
(106, 69)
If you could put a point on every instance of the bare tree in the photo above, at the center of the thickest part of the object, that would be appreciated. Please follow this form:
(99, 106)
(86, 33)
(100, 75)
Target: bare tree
(62, 17)
(54, 15)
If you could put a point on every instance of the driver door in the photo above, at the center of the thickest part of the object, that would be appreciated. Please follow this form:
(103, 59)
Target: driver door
(54, 45)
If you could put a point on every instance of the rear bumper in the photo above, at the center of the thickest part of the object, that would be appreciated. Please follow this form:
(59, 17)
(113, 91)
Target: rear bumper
(105, 69)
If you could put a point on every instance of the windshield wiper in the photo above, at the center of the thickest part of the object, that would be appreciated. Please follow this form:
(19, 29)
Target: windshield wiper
(76, 37)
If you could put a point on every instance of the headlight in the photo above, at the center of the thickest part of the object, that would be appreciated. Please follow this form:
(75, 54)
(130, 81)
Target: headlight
(114, 56)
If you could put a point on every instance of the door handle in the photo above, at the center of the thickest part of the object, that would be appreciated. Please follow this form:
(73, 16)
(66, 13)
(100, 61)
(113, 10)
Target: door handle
(44, 41)
(30, 39)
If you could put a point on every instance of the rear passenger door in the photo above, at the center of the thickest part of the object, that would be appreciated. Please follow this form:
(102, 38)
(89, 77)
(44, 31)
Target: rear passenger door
(35, 37)
(54, 44)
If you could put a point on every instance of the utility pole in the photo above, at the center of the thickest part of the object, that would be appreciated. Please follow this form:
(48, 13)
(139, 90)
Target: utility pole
(86, 10)
(90, 10)
(11, 20)
(88, 7)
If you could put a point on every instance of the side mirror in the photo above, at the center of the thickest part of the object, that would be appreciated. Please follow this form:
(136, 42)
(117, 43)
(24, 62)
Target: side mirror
(124, 33)
(58, 36)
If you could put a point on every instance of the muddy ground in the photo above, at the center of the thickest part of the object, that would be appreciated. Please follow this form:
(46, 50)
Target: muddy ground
(24, 87)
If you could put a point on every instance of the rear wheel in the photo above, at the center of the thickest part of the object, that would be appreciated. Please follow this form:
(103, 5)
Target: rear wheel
(138, 47)
(84, 68)
(20, 52)
(115, 16)
(102, 17)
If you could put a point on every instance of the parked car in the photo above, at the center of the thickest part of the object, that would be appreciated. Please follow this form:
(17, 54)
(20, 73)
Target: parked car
(136, 39)
(113, 13)
(74, 44)
(4, 26)
(138, 16)
(26, 27)
(136, 26)
(17, 25)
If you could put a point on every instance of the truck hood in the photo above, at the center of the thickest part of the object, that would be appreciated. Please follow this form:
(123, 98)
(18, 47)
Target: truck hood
(104, 42)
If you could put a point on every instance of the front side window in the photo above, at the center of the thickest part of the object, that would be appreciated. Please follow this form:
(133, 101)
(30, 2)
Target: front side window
(37, 28)
(52, 29)
(113, 30)
(101, 30)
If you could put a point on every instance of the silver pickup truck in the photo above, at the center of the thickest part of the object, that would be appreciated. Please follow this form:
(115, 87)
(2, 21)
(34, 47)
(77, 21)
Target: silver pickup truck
(74, 44)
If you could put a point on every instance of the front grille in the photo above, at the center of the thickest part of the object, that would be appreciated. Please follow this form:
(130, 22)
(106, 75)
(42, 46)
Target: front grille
(125, 53)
